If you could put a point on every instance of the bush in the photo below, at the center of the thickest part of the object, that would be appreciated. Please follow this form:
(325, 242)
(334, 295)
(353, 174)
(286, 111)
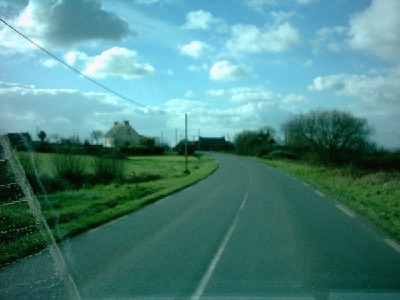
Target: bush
(281, 154)
(108, 169)
(379, 160)
(70, 167)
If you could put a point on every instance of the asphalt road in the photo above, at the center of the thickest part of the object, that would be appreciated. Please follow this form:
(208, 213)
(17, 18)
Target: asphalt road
(246, 231)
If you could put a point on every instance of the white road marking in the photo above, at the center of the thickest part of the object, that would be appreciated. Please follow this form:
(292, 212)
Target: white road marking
(214, 262)
(346, 210)
(392, 244)
(319, 193)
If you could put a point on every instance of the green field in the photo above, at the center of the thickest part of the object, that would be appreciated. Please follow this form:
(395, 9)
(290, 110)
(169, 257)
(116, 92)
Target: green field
(69, 212)
(375, 196)
(79, 210)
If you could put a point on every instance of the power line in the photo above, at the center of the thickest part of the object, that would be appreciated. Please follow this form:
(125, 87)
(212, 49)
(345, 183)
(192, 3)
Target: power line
(72, 68)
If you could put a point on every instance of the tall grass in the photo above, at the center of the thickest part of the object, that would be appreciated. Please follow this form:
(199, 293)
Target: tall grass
(70, 167)
(108, 169)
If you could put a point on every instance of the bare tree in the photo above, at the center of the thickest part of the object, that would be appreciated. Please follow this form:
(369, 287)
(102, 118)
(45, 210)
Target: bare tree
(333, 135)
(96, 135)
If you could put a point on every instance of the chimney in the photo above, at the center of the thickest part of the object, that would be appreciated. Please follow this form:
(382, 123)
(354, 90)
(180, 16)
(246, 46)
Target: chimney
(126, 123)
(116, 123)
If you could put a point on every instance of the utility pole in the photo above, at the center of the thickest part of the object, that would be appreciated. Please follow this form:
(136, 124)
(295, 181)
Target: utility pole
(198, 143)
(186, 146)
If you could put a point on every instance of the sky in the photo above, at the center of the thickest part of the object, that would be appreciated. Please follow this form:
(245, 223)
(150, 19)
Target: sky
(230, 65)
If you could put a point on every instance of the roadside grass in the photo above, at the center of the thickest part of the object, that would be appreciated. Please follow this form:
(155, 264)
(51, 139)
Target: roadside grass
(375, 196)
(70, 212)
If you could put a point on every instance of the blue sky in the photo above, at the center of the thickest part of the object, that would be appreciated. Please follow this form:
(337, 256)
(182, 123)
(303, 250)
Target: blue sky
(230, 65)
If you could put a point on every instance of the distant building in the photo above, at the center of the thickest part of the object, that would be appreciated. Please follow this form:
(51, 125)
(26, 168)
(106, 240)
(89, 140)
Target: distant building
(121, 134)
(213, 144)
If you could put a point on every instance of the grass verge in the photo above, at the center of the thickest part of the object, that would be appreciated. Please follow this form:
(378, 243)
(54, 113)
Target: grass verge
(71, 212)
(375, 196)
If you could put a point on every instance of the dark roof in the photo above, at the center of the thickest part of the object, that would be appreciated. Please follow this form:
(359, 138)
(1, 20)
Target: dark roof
(117, 127)
(212, 140)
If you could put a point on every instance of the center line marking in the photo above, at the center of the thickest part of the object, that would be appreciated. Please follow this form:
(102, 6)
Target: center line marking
(210, 270)
(392, 244)
(345, 210)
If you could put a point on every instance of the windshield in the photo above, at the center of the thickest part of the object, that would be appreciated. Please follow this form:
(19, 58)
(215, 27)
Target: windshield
(109, 106)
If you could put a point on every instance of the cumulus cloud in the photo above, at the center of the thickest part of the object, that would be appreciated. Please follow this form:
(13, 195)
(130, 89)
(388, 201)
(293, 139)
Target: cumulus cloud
(201, 19)
(260, 95)
(118, 62)
(372, 89)
(212, 121)
(249, 94)
(330, 38)
(377, 29)
(63, 111)
(49, 63)
(378, 95)
(195, 49)
(67, 22)
(271, 38)
(225, 71)
(71, 57)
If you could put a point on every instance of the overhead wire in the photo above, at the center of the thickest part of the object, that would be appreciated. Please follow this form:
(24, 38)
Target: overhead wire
(72, 68)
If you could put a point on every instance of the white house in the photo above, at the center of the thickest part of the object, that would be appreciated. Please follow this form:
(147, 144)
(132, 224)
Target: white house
(121, 134)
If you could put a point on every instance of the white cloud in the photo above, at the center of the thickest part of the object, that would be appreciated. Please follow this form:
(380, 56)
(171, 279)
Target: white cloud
(71, 57)
(211, 121)
(48, 63)
(194, 49)
(258, 5)
(201, 19)
(377, 29)
(249, 94)
(118, 62)
(282, 16)
(372, 89)
(271, 38)
(225, 71)
(261, 97)
(179, 106)
(331, 38)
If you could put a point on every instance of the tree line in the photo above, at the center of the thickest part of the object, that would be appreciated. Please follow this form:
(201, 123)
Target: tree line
(331, 137)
